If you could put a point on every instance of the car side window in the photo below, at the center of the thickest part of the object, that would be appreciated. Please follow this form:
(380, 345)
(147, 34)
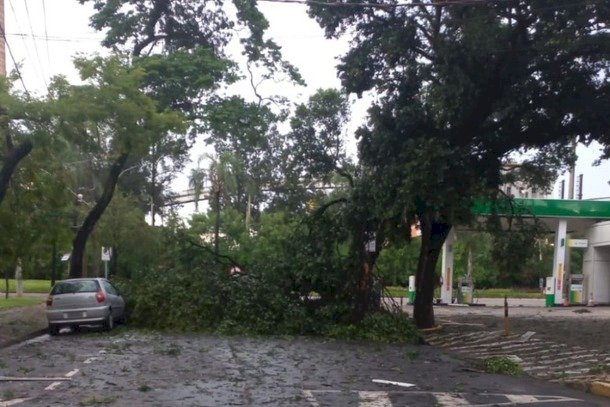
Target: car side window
(109, 288)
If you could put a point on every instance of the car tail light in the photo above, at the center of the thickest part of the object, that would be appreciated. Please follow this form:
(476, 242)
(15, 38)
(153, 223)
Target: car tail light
(100, 297)
(49, 300)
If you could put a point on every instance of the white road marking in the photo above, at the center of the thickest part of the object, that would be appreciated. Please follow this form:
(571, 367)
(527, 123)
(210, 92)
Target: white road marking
(381, 398)
(529, 352)
(374, 399)
(550, 361)
(12, 402)
(72, 373)
(446, 322)
(451, 400)
(89, 360)
(561, 367)
(308, 394)
(38, 339)
(52, 386)
(30, 379)
(401, 384)
(482, 344)
(526, 336)
(67, 376)
(521, 398)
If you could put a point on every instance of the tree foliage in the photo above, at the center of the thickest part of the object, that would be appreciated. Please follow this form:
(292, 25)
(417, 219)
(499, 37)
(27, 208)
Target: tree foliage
(111, 120)
(461, 87)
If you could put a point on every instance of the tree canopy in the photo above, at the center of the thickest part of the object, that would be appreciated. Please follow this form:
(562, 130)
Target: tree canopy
(459, 88)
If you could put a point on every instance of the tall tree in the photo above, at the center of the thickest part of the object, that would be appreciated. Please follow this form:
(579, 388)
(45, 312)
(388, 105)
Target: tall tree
(460, 86)
(111, 119)
(16, 144)
(172, 40)
(248, 131)
(313, 152)
(221, 175)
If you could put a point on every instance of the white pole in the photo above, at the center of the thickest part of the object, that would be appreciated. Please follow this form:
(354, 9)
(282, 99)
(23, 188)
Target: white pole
(559, 260)
(447, 271)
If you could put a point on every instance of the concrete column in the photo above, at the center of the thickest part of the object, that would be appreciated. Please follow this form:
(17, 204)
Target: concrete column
(559, 259)
(447, 270)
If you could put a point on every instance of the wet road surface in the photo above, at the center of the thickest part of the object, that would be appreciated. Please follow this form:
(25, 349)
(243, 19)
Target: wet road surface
(132, 368)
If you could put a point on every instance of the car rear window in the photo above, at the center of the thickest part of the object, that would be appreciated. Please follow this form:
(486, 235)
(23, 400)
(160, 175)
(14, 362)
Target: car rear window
(72, 287)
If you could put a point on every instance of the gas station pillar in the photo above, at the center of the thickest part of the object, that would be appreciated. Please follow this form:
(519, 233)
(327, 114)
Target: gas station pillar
(447, 270)
(559, 260)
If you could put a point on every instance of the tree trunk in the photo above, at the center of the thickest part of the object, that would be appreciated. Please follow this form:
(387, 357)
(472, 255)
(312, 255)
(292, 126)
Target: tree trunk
(12, 158)
(367, 256)
(217, 223)
(248, 212)
(80, 240)
(433, 235)
(469, 265)
(113, 267)
(19, 279)
(153, 181)
(54, 263)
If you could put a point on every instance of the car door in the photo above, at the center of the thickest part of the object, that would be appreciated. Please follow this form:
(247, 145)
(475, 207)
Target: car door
(116, 301)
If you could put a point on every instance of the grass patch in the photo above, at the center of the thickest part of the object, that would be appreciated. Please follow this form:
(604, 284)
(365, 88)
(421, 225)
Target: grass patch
(600, 368)
(395, 291)
(18, 302)
(29, 286)
(508, 292)
(8, 395)
(171, 350)
(502, 365)
(94, 401)
(377, 327)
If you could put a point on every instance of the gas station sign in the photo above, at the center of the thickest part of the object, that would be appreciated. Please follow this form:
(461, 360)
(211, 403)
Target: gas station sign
(578, 243)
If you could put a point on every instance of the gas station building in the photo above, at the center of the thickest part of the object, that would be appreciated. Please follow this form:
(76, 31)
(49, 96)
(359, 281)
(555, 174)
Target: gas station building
(590, 219)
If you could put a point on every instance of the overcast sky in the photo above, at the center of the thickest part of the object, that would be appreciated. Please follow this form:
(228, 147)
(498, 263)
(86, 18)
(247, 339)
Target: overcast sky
(65, 24)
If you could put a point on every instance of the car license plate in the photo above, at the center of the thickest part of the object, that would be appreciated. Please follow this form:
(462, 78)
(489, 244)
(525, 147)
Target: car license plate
(68, 315)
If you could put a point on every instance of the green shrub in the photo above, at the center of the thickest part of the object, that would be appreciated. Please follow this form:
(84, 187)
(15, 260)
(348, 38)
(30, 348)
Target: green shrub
(378, 327)
(502, 365)
(282, 264)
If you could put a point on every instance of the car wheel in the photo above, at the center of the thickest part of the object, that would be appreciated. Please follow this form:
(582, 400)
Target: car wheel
(53, 330)
(109, 323)
(122, 320)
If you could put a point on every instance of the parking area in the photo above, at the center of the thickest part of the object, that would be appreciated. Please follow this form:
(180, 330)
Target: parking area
(129, 368)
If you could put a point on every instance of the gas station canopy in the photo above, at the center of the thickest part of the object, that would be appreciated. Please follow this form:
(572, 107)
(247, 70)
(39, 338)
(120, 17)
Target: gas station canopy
(579, 214)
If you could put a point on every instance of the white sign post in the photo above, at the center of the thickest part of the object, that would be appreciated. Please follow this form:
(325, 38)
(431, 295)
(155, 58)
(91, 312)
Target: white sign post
(106, 255)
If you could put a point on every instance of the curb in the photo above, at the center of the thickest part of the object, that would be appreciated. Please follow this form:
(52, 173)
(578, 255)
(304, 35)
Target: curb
(600, 389)
(24, 338)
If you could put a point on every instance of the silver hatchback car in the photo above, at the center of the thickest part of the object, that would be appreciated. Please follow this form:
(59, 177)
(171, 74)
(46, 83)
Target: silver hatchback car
(84, 301)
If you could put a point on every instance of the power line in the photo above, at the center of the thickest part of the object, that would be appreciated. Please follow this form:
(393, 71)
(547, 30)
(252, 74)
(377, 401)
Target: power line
(27, 11)
(46, 33)
(419, 4)
(387, 5)
(10, 51)
(54, 37)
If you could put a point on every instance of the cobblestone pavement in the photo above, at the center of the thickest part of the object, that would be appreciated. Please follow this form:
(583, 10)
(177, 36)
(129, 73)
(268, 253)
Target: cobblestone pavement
(559, 344)
(540, 358)
(133, 368)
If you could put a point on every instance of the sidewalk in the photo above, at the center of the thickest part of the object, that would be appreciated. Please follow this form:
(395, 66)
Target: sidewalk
(17, 324)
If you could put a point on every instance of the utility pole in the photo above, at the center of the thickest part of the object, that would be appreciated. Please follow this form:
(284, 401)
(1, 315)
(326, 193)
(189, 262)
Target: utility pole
(572, 173)
(2, 41)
